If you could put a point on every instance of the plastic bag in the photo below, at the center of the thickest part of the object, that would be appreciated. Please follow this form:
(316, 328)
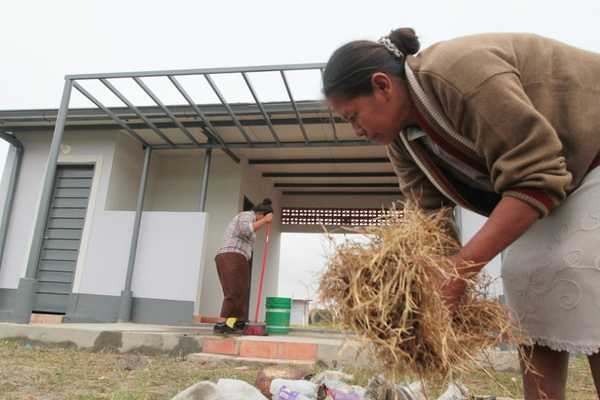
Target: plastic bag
(233, 389)
(288, 394)
(305, 388)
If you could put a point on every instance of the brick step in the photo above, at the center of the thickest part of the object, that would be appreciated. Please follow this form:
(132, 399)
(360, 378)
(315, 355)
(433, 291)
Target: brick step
(46, 319)
(262, 348)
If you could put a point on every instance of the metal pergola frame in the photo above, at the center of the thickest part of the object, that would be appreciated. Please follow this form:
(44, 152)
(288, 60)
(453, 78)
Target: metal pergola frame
(26, 290)
(214, 140)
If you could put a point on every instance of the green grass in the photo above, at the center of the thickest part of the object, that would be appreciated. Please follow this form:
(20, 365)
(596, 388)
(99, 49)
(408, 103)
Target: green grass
(50, 372)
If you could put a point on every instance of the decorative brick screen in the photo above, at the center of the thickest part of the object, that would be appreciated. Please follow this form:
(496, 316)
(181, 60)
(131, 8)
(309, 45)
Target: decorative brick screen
(333, 216)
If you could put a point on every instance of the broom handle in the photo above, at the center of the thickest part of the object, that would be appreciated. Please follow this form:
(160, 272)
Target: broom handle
(262, 272)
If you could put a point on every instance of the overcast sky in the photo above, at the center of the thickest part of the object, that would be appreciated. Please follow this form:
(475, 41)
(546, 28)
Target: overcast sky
(41, 41)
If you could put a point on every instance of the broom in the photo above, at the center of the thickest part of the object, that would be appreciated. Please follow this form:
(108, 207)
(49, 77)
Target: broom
(256, 328)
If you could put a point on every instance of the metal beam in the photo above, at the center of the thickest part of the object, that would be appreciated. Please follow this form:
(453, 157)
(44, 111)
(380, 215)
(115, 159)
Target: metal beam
(289, 92)
(159, 103)
(325, 193)
(331, 118)
(228, 107)
(127, 295)
(260, 106)
(320, 161)
(336, 185)
(205, 176)
(271, 145)
(180, 111)
(190, 124)
(201, 71)
(118, 120)
(326, 174)
(212, 132)
(136, 111)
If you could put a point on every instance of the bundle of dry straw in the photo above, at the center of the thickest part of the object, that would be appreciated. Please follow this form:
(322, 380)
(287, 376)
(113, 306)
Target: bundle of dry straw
(387, 291)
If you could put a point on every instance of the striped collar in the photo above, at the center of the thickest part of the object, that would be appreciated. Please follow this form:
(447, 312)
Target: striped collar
(448, 140)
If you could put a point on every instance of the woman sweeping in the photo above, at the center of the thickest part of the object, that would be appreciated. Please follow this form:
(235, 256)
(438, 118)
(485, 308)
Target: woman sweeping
(233, 265)
(505, 125)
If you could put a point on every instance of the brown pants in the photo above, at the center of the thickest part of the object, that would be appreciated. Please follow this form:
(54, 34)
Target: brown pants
(234, 274)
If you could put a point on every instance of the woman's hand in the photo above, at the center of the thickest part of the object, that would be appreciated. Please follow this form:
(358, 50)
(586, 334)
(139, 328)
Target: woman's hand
(453, 287)
(266, 219)
(453, 290)
(509, 220)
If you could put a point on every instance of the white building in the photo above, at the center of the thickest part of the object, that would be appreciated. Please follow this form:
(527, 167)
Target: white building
(300, 312)
(116, 213)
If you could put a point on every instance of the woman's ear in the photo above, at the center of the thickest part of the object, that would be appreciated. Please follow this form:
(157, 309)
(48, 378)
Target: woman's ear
(381, 82)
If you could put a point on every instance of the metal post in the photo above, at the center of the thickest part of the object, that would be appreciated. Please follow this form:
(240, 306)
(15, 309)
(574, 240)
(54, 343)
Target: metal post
(25, 296)
(205, 174)
(127, 294)
(458, 222)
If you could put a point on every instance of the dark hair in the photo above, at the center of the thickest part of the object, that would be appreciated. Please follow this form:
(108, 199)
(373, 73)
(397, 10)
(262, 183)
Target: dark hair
(349, 69)
(264, 207)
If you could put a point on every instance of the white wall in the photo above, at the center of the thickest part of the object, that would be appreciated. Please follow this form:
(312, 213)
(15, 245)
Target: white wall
(470, 224)
(103, 256)
(104, 265)
(169, 255)
(174, 182)
(90, 148)
(170, 243)
(25, 203)
(127, 166)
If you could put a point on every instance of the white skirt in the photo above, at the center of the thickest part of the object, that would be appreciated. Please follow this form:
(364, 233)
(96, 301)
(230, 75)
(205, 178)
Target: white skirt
(551, 274)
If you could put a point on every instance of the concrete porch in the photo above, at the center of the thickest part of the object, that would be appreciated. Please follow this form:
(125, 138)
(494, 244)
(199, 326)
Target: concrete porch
(197, 342)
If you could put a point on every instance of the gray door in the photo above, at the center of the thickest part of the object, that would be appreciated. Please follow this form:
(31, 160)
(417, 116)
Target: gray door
(62, 237)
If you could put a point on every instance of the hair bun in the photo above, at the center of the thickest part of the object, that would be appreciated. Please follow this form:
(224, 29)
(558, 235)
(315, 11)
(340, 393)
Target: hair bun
(267, 202)
(406, 40)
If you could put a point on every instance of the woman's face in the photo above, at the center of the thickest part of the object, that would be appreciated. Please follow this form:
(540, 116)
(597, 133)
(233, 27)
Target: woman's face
(381, 115)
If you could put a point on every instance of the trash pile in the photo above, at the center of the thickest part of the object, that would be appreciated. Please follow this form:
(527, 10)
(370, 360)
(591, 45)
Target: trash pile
(327, 385)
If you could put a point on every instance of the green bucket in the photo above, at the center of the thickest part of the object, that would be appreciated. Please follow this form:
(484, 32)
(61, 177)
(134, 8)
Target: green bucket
(278, 315)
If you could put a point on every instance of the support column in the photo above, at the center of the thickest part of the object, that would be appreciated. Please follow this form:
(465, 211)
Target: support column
(458, 221)
(126, 294)
(205, 175)
(25, 296)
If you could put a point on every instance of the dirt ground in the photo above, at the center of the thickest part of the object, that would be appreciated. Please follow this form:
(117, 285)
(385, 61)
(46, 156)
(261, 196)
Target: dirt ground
(30, 371)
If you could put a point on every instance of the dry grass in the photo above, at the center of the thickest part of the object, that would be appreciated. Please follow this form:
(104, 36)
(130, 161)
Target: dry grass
(579, 385)
(49, 373)
(387, 291)
(33, 372)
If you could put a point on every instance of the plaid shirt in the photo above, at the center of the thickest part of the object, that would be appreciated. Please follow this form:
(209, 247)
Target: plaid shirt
(239, 236)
